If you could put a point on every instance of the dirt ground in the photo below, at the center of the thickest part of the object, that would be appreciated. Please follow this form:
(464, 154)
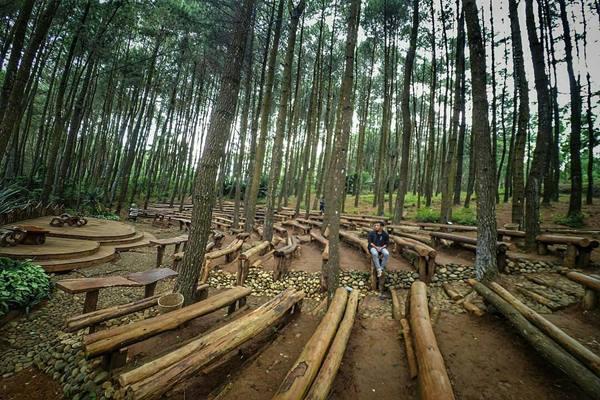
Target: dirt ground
(485, 357)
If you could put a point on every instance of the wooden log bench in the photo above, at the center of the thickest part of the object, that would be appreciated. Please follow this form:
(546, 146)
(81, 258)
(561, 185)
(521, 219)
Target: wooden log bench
(150, 278)
(222, 225)
(471, 244)
(297, 227)
(177, 257)
(284, 256)
(112, 343)
(231, 252)
(511, 233)
(162, 244)
(280, 231)
(578, 252)
(246, 259)
(300, 377)
(363, 247)
(161, 220)
(446, 227)
(183, 223)
(425, 255)
(152, 380)
(91, 287)
(591, 287)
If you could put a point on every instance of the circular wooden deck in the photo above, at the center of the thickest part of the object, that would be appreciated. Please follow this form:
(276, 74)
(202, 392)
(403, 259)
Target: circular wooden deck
(96, 229)
(55, 248)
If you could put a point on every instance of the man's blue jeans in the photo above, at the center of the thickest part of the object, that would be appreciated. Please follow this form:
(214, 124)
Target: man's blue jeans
(375, 255)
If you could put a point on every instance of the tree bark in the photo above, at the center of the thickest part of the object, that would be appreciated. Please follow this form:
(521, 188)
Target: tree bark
(485, 259)
(218, 132)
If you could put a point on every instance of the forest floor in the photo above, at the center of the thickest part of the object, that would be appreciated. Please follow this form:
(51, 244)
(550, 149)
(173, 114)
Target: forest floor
(485, 357)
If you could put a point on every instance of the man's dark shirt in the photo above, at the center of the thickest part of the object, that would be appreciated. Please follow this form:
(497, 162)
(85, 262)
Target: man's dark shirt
(378, 238)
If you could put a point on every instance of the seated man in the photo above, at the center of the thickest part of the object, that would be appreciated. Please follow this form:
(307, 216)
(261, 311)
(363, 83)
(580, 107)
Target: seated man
(134, 211)
(378, 241)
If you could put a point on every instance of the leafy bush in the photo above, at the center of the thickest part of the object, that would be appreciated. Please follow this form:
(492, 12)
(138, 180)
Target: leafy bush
(22, 285)
(464, 216)
(13, 197)
(427, 215)
(575, 221)
(106, 215)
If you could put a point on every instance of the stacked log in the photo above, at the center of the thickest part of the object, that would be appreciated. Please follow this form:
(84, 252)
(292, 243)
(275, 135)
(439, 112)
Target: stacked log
(591, 360)
(544, 345)
(434, 383)
(152, 380)
(116, 338)
(302, 374)
(324, 381)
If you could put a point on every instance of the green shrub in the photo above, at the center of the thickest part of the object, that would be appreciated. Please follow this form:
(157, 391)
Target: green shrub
(464, 216)
(22, 285)
(427, 215)
(106, 215)
(574, 221)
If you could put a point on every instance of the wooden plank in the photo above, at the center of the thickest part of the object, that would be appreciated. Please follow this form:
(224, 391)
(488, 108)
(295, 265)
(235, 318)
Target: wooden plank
(80, 285)
(151, 276)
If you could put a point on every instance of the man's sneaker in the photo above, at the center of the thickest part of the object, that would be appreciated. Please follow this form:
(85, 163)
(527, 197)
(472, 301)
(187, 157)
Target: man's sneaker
(379, 273)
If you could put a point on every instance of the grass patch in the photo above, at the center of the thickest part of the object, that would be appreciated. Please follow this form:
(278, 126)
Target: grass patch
(464, 216)
(427, 215)
(573, 221)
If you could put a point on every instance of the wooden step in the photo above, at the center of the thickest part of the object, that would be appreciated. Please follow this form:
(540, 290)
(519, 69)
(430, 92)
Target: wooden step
(104, 254)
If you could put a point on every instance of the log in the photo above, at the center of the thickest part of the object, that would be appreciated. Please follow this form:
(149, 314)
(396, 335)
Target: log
(418, 247)
(113, 339)
(84, 320)
(152, 380)
(453, 294)
(562, 239)
(591, 360)
(539, 281)
(410, 350)
(398, 307)
(590, 299)
(546, 347)
(300, 377)
(434, 383)
(472, 308)
(231, 248)
(539, 298)
(324, 381)
(585, 280)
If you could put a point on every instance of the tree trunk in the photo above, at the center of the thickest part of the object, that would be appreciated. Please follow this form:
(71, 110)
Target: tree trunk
(485, 260)
(406, 122)
(539, 163)
(337, 172)
(216, 138)
(265, 114)
(286, 86)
